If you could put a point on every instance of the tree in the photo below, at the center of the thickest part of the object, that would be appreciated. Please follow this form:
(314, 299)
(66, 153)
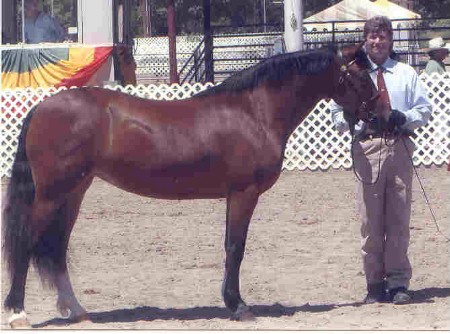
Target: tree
(433, 8)
(189, 13)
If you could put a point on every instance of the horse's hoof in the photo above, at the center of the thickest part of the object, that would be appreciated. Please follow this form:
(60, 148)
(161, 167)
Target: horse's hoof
(243, 313)
(72, 316)
(65, 312)
(19, 321)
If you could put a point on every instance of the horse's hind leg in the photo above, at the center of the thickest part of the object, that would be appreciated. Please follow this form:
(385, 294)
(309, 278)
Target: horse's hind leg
(240, 206)
(67, 304)
(15, 299)
(23, 246)
(50, 225)
(50, 250)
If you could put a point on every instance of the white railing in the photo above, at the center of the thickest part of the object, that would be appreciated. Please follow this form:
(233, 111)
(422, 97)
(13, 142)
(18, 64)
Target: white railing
(315, 144)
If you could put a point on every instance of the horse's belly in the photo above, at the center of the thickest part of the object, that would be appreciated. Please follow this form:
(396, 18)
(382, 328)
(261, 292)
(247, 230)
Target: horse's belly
(179, 182)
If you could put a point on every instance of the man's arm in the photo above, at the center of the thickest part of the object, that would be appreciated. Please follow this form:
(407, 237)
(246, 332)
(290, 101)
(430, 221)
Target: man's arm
(420, 108)
(337, 116)
(58, 29)
(432, 67)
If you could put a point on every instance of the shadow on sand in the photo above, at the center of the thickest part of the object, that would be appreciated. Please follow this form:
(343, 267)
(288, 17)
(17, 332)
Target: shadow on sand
(147, 313)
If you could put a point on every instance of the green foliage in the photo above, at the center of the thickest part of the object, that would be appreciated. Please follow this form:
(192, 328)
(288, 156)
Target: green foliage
(433, 8)
(61, 10)
(189, 13)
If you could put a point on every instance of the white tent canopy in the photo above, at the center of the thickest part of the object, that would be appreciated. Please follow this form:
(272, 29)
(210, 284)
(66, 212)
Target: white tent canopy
(362, 10)
(357, 10)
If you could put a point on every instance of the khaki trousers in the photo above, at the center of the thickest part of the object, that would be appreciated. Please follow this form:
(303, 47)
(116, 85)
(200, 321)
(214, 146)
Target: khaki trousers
(384, 208)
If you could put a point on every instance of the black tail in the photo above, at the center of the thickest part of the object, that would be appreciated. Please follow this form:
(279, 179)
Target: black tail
(48, 251)
(17, 241)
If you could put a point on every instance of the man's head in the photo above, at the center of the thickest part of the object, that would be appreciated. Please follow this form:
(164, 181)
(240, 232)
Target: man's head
(437, 49)
(378, 35)
(31, 8)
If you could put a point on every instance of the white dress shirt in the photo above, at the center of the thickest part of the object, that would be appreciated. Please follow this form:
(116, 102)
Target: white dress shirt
(406, 94)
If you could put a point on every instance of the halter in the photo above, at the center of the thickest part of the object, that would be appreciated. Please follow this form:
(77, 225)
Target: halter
(345, 75)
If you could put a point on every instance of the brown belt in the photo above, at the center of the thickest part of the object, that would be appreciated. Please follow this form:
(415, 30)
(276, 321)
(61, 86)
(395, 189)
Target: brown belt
(367, 136)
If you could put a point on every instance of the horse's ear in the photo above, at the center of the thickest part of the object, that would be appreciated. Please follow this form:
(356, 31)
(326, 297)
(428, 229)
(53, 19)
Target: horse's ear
(351, 52)
(361, 56)
(360, 46)
(346, 53)
(355, 52)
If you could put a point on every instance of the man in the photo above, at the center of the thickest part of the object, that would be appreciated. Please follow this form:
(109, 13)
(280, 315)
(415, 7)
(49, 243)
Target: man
(438, 51)
(39, 26)
(382, 160)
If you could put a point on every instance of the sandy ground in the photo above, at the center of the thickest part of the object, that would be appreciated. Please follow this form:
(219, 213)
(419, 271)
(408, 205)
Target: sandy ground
(140, 263)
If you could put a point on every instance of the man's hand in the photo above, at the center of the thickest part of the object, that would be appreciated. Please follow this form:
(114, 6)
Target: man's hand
(396, 120)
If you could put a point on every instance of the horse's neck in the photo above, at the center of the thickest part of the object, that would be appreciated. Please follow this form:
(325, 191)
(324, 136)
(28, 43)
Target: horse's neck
(288, 105)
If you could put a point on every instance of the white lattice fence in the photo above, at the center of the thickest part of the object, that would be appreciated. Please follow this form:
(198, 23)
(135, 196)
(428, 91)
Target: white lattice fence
(313, 145)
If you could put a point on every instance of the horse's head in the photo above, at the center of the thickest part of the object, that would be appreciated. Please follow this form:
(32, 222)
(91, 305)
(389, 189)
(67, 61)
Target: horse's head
(354, 89)
(127, 64)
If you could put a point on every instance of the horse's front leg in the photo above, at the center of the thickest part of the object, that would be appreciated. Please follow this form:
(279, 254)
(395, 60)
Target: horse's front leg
(240, 206)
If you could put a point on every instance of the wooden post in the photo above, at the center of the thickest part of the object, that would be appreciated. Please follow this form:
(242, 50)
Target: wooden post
(146, 19)
(209, 67)
(172, 42)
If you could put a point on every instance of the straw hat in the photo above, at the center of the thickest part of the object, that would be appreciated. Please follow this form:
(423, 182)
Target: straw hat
(437, 43)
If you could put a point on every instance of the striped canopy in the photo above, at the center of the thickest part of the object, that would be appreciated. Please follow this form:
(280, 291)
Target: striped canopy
(51, 66)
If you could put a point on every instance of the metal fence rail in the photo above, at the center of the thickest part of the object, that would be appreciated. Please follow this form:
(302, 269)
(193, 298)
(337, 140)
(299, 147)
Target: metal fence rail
(237, 48)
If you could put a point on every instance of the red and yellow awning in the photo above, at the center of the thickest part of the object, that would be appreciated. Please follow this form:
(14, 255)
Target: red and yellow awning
(47, 67)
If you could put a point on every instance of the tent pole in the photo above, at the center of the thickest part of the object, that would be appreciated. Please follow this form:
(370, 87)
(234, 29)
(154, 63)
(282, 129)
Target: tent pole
(172, 42)
(293, 25)
(23, 21)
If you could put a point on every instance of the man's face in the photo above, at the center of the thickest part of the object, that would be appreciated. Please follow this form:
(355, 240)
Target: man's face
(31, 8)
(378, 46)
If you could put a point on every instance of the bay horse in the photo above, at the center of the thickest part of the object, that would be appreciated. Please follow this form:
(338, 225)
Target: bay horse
(226, 142)
(124, 58)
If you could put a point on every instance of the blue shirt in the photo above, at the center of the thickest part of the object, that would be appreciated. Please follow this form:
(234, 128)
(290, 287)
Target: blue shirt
(406, 94)
(44, 29)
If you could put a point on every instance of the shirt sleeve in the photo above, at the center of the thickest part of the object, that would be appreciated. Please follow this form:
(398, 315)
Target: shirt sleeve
(55, 29)
(433, 67)
(337, 115)
(419, 111)
(59, 30)
(341, 125)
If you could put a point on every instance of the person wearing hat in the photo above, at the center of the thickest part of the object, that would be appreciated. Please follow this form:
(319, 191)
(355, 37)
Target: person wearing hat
(438, 51)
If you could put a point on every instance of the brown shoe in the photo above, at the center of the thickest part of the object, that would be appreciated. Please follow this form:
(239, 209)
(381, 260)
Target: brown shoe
(375, 293)
(399, 296)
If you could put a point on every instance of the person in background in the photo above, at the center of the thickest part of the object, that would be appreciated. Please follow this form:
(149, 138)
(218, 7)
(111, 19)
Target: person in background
(39, 26)
(382, 154)
(277, 48)
(438, 51)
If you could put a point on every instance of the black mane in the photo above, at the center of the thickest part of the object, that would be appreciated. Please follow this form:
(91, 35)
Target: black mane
(274, 69)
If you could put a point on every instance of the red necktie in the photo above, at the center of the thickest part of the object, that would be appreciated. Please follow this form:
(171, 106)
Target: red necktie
(384, 96)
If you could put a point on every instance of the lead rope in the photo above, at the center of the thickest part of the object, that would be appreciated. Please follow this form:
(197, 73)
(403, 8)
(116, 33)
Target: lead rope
(423, 191)
(352, 133)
